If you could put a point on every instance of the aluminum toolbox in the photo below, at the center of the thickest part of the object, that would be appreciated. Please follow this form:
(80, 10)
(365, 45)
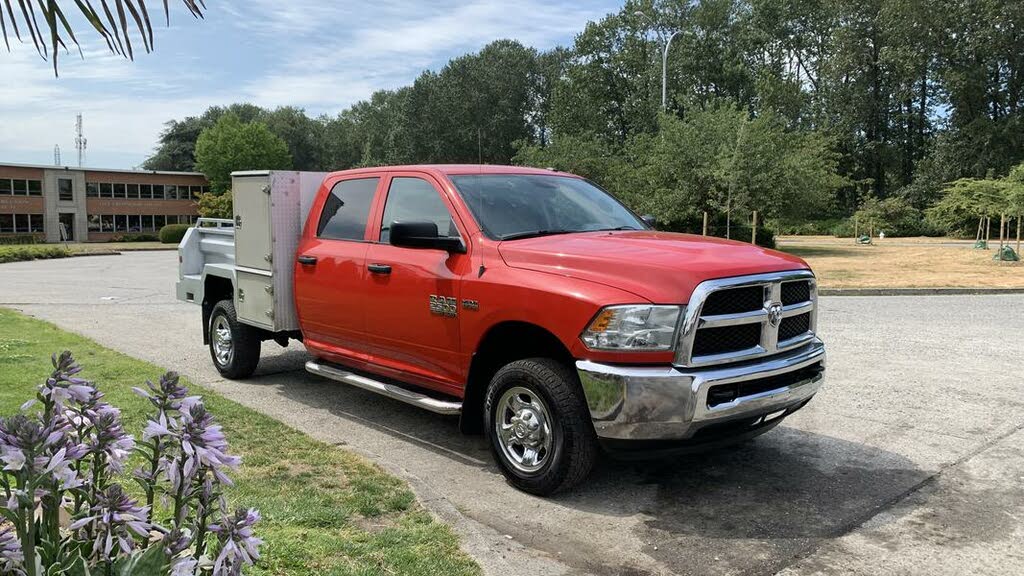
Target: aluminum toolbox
(270, 210)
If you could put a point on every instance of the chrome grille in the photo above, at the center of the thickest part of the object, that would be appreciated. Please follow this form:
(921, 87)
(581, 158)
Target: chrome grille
(734, 319)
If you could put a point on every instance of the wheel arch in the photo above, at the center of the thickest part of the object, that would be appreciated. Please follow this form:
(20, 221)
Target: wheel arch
(503, 343)
(216, 287)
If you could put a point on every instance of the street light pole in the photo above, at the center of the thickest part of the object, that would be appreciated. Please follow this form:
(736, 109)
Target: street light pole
(664, 58)
(664, 71)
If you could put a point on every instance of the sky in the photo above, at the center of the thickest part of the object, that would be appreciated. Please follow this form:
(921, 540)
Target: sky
(318, 55)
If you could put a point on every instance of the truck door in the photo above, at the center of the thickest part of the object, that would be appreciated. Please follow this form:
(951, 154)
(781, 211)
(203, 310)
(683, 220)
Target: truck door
(413, 295)
(330, 271)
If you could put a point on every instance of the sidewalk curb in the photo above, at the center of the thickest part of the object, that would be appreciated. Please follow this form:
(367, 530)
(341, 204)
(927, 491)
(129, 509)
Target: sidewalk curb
(917, 291)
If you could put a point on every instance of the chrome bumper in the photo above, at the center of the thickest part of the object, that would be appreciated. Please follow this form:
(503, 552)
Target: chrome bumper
(669, 403)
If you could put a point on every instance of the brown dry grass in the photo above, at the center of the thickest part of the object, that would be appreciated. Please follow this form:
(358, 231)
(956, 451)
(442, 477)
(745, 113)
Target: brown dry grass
(904, 263)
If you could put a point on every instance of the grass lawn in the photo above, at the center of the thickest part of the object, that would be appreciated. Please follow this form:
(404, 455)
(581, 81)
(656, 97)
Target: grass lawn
(325, 511)
(21, 252)
(903, 263)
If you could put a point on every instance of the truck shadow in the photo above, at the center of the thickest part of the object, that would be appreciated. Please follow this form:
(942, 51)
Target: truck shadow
(778, 495)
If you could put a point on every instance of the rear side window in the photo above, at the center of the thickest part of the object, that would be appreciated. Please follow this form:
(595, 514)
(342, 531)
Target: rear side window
(412, 199)
(347, 209)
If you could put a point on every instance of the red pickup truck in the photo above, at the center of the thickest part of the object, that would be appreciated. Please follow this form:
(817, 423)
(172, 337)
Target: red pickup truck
(530, 302)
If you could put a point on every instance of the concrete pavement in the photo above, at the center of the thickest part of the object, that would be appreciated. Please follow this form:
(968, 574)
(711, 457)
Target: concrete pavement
(910, 461)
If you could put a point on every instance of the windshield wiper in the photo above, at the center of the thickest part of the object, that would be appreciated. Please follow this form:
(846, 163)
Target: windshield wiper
(534, 234)
(616, 228)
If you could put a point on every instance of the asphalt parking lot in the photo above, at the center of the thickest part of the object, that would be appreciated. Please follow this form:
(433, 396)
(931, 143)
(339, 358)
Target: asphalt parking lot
(910, 461)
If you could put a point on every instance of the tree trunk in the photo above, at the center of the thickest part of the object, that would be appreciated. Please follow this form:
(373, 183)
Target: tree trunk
(753, 233)
(1018, 234)
(977, 236)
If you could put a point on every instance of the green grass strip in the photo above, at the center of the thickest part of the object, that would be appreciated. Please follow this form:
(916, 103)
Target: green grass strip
(326, 512)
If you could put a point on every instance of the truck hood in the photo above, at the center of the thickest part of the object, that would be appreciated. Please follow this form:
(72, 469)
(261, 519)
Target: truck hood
(661, 267)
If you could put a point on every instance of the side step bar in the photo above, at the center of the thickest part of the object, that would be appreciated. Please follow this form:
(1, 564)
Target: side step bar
(385, 389)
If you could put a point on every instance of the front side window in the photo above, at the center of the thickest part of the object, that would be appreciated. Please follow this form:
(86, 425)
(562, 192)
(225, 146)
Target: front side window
(347, 209)
(415, 199)
(65, 190)
(510, 206)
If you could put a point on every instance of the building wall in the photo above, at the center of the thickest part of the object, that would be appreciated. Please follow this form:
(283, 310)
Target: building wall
(103, 204)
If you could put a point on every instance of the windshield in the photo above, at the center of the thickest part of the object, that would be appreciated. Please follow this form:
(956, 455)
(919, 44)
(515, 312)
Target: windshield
(510, 206)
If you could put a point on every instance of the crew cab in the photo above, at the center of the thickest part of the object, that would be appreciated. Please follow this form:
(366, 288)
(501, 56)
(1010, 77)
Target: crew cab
(529, 302)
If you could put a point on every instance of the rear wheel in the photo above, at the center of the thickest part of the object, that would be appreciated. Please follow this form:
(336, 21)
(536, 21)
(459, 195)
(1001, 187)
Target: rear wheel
(539, 426)
(234, 347)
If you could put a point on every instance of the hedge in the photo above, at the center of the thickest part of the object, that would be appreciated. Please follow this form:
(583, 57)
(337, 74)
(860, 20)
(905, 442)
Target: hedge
(173, 233)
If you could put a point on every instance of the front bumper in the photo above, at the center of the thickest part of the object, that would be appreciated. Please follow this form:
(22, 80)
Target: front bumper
(669, 403)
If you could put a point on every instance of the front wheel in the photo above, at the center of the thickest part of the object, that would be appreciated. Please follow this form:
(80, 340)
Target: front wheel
(539, 427)
(234, 347)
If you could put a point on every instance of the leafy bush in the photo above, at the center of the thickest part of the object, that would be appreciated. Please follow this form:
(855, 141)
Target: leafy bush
(215, 205)
(67, 512)
(23, 253)
(896, 217)
(173, 233)
(135, 237)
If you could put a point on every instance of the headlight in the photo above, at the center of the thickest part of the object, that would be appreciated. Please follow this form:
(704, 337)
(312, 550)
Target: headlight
(634, 327)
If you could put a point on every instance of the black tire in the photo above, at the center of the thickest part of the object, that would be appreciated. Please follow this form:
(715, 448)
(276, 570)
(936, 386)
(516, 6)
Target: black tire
(244, 346)
(573, 446)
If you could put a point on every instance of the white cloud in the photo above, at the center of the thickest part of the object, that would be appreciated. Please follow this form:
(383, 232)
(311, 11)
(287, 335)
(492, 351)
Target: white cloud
(320, 55)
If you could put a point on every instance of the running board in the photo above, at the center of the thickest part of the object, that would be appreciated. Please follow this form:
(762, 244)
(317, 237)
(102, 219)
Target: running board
(385, 389)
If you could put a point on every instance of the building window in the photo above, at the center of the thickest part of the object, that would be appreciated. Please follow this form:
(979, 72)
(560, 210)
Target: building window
(120, 223)
(119, 191)
(107, 223)
(94, 223)
(171, 192)
(134, 224)
(92, 190)
(159, 221)
(35, 187)
(21, 223)
(158, 191)
(147, 223)
(106, 190)
(35, 222)
(65, 190)
(145, 191)
(133, 190)
(20, 188)
(5, 187)
(6, 223)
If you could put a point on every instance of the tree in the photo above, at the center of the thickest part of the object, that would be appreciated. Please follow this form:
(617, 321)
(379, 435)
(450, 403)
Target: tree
(56, 32)
(232, 145)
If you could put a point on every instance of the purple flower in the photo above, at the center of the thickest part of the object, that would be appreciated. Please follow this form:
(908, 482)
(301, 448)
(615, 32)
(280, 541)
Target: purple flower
(11, 557)
(108, 437)
(202, 444)
(116, 518)
(238, 546)
(29, 445)
(62, 385)
(167, 394)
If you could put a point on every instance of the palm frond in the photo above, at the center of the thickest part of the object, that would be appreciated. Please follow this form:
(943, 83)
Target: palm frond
(115, 21)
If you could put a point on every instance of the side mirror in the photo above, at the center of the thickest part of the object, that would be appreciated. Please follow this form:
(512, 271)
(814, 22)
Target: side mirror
(423, 234)
(650, 220)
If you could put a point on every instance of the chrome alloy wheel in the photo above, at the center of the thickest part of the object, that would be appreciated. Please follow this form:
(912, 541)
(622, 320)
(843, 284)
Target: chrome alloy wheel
(223, 344)
(523, 428)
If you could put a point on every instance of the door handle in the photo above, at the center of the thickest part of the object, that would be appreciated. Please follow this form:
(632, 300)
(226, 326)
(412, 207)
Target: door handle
(307, 260)
(379, 269)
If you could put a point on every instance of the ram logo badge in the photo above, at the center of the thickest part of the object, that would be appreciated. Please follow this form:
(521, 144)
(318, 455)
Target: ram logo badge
(444, 305)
